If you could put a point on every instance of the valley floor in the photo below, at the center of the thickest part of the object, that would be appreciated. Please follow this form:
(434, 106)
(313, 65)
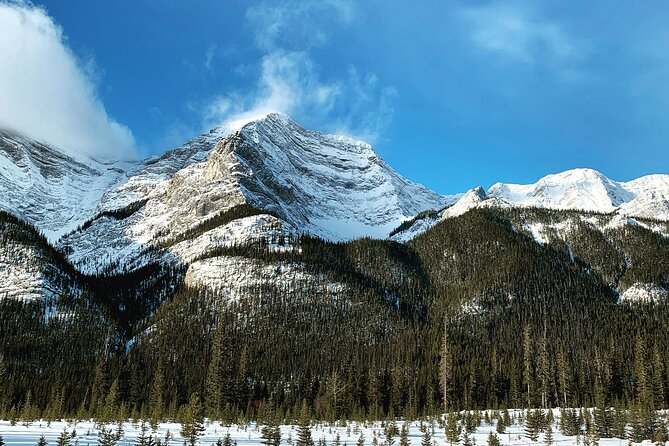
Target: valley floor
(249, 435)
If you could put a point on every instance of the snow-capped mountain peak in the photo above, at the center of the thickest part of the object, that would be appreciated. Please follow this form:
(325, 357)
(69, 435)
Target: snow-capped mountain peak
(582, 189)
(307, 182)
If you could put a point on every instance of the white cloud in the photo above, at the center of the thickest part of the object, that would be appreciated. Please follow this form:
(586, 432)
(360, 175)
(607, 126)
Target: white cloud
(290, 80)
(47, 93)
(517, 33)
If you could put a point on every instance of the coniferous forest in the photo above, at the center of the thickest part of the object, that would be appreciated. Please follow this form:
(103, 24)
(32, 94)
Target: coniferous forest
(472, 314)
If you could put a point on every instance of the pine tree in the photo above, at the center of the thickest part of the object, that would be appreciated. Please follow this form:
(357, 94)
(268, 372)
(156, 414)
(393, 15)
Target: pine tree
(304, 428)
(193, 420)
(466, 438)
(543, 367)
(42, 441)
(63, 439)
(564, 376)
(493, 440)
(213, 384)
(108, 437)
(110, 409)
(390, 431)
(361, 440)
(27, 411)
(548, 435)
(453, 429)
(271, 434)
(404, 435)
(427, 438)
(532, 425)
(446, 371)
(528, 364)
(156, 399)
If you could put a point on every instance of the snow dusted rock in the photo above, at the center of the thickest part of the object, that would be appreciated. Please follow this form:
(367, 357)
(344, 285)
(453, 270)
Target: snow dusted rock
(27, 268)
(644, 293)
(578, 190)
(589, 190)
(235, 275)
(48, 188)
(306, 182)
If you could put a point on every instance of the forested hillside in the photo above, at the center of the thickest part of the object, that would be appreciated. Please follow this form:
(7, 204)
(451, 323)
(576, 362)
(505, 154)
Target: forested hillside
(474, 313)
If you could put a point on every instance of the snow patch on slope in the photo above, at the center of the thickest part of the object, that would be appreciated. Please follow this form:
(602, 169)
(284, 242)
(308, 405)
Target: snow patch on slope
(644, 293)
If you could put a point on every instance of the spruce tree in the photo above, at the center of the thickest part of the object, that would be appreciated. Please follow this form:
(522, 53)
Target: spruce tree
(107, 437)
(42, 441)
(453, 429)
(446, 370)
(493, 439)
(427, 438)
(532, 425)
(63, 438)
(271, 434)
(548, 435)
(213, 384)
(404, 435)
(193, 421)
(304, 428)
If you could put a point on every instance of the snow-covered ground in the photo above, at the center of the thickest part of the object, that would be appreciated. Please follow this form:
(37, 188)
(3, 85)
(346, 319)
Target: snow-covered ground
(249, 435)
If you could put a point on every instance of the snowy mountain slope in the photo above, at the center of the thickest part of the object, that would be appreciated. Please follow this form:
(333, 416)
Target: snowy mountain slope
(298, 181)
(577, 190)
(589, 190)
(27, 265)
(48, 188)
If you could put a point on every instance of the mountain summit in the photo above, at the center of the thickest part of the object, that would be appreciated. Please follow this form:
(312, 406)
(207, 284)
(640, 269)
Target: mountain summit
(265, 177)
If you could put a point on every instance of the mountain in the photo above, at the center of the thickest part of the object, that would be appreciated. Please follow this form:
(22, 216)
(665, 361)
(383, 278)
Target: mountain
(589, 190)
(48, 188)
(583, 190)
(298, 181)
(263, 265)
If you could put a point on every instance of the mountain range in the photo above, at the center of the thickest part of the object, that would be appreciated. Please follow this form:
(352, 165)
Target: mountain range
(303, 258)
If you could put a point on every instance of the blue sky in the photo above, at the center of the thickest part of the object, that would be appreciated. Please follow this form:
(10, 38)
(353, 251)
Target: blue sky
(451, 94)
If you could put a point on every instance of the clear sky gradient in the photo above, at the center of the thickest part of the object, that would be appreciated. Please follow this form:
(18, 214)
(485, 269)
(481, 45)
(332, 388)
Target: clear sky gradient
(451, 94)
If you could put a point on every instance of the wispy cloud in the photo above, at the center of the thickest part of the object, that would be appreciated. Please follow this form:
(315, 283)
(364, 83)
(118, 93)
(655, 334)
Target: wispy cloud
(209, 56)
(48, 93)
(520, 34)
(290, 80)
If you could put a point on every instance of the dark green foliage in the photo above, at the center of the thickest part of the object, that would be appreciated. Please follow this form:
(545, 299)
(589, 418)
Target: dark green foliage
(192, 426)
(234, 213)
(117, 214)
(304, 427)
(374, 331)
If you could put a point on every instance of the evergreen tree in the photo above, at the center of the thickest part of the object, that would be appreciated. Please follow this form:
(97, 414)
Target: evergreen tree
(214, 385)
(446, 370)
(493, 440)
(63, 439)
(304, 428)
(193, 420)
(404, 435)
(271, 434)
(548, 435)
(453, 429)
(110, 408)
(427, 438)
(156, 398)
(532, 425)
(528, 364)
(107, 437)
(42, 441)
